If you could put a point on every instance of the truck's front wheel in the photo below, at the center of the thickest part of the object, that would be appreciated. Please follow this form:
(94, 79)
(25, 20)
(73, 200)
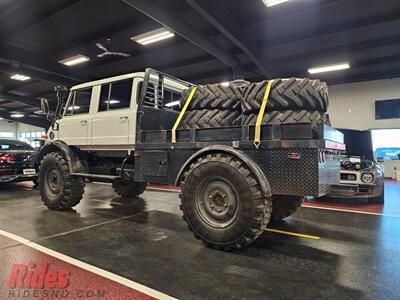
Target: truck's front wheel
(58, 189)
(129, 188)
(222, 202)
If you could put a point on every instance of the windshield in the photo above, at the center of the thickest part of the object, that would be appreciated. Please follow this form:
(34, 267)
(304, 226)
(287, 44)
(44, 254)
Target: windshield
(14, 146)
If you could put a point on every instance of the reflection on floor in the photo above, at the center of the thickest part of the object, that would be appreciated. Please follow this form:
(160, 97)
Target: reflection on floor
(145, 240)
(390, 207)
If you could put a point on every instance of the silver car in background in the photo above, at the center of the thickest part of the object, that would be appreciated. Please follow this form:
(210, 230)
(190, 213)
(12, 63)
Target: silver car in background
(360, 178)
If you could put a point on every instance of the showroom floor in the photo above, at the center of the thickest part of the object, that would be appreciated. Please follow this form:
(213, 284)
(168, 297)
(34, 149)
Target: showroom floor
(344, 255)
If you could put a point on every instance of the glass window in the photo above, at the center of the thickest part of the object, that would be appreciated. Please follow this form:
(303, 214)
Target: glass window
(120, 96)
(172, 99)
(80, 103)
(115, 95)
(104, 95)
(15, 146)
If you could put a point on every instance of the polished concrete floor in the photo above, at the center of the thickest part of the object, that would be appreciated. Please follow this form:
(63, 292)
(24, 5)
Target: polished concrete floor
(347, 256)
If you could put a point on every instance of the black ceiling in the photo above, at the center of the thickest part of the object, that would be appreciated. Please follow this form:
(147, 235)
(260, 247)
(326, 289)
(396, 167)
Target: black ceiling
(215, 41)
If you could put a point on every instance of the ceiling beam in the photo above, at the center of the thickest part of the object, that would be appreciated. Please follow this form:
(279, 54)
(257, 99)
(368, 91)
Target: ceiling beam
(27, 120)
(16, 68)
(42, 65)
(168, 17)
(29, 22)
(24, 100)
(221, 20)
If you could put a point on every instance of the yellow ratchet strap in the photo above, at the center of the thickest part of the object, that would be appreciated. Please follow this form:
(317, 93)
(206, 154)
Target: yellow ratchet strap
(192, 92)
(257, 135)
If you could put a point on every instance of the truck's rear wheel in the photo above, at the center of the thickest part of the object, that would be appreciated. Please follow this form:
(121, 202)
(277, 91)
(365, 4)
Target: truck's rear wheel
(128, 188)
(222, 202)
(284, 206)
(58, 189)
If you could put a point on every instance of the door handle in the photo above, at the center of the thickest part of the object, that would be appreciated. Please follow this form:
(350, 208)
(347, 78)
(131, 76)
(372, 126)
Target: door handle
(124, 117)
(83, 122)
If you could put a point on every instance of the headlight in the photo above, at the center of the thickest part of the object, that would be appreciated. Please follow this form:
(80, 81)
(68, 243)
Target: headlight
(367, 178)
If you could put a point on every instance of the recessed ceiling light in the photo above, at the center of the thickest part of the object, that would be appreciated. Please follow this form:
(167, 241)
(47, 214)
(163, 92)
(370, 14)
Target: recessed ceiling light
(328, 68)
(16, 115)
(1, 118)
(173, 103)
(74, 60)
(20, 77)
(270, 3)
(225, 83)
(153, 36)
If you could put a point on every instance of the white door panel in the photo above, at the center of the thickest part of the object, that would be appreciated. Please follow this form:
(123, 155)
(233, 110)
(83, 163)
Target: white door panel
(111, 127)
(74, 130)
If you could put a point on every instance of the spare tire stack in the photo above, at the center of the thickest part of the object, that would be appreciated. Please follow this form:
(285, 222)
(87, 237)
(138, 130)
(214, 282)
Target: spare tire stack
(291, 101)
(213, 105)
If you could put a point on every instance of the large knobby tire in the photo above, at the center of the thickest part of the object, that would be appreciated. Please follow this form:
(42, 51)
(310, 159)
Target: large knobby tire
(288, 117)
(214, 96)
(222, 202)
(210, 119)
(287, 94)
(284, 206)
(58, 189)
(128, 188)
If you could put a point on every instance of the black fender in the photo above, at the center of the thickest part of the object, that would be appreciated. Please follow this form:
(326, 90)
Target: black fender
(74, 163)
(253, 166)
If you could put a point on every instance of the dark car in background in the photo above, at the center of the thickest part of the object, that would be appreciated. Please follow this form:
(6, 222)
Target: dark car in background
(15, 161)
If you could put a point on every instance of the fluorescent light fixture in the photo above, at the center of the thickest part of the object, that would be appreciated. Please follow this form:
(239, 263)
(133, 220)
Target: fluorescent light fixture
(173, 103)
(269, 3)
(112, 101)
(225, 83)
(20, 77)
(16, 115)
(153, 36)
(75, 107)
(329, 68)
(74, 60)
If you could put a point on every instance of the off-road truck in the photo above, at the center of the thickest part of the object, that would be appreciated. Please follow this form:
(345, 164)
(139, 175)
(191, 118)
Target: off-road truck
(242, 154)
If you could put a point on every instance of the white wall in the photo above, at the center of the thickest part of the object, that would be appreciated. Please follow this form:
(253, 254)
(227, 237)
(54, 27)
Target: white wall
(6, 126)
(353, 105)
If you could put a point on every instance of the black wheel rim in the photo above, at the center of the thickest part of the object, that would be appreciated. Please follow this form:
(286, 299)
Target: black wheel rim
(53, 183)
(217, 202)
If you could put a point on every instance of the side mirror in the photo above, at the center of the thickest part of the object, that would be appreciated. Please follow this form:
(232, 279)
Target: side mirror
(44, 108)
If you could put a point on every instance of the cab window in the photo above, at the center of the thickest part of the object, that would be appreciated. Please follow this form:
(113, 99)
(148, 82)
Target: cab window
(80, 102)
(115, 95)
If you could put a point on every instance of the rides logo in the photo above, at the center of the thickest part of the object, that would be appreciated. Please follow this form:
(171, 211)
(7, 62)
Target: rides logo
(42, 277)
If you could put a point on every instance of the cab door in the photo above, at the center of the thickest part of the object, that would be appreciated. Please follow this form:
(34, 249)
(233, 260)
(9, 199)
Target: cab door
(114, 118)
(74, 127)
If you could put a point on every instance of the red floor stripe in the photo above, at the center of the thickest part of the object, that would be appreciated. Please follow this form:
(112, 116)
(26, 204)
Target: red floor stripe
(27, 273)
(372, 208)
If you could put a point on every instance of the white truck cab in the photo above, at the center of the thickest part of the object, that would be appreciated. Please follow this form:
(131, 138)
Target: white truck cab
(101, 114)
